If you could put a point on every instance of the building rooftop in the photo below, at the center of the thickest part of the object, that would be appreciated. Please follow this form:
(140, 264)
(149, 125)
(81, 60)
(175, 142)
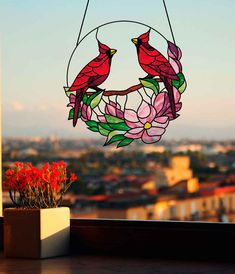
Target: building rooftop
(127, 200)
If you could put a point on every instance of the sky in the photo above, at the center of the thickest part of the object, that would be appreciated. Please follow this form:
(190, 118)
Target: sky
(37, 38)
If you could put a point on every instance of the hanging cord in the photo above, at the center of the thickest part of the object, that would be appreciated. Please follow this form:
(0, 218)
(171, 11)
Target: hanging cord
(83, 19)
(169, 22)
(78, 40)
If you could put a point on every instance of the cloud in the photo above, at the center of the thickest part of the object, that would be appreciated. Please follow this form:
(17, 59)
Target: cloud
(17, 106)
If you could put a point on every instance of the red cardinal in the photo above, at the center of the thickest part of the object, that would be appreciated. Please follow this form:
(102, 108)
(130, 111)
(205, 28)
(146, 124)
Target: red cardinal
(155, 64)
(91, 76)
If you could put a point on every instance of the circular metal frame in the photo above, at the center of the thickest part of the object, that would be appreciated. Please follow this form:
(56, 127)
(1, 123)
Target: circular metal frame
(103, 25)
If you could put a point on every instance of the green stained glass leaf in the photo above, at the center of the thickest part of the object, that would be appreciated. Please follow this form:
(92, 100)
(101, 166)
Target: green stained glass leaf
(114, 136)
(67, 92)
(183, 87)
(91, 97)
(113, 120)
(125, 142)
(92, 123)
(95, 129)
(119, 126)
(181, 83)
(85, 98)
(94, 99)
(106, 126)
(71, 114)
(103, 131)
(150, 83)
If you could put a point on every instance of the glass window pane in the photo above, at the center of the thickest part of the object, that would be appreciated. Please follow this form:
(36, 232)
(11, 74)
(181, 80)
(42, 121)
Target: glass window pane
(189, 175)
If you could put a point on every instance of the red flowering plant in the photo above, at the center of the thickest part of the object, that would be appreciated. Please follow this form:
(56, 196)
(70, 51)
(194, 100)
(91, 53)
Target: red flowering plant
(32, 187)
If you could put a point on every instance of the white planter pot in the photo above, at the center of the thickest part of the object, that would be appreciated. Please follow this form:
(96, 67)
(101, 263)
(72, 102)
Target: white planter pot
(36, 233)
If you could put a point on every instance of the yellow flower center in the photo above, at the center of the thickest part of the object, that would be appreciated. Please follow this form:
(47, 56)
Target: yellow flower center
(147, 125)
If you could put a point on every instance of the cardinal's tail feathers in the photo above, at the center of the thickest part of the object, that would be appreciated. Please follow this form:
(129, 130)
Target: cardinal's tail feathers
(79, 95)
(169, 88)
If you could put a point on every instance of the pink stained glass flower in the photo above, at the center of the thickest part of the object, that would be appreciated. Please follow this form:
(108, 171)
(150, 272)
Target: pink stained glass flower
(145, 124)
(101, 118)
(174, 54)
(86, 112)
(114, 109)
(161, 103)
(72, 98)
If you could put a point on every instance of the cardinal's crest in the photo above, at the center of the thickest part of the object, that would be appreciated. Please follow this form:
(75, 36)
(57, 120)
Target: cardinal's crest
(106, 114)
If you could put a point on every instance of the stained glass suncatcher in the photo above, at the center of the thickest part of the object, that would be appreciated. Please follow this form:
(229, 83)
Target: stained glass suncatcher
(105, 114)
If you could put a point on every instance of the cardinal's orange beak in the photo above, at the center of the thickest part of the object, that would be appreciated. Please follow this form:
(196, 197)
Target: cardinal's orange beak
(135, 41)
(113, 51)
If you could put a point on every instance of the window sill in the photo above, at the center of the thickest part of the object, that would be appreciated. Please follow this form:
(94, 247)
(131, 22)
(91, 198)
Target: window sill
(111, 265)
(181, 240)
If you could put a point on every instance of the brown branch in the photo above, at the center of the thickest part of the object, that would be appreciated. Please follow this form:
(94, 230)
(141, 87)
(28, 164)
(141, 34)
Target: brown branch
(125, 91)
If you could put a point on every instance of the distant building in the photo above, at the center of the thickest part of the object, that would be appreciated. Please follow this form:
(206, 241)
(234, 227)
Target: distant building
(28, 152)
(193, 185)
(128, 212)
(153, 149)
(149, 186)
(187, 148)
(178, 170)
(134, 206)
(6, 198)
(216, 205)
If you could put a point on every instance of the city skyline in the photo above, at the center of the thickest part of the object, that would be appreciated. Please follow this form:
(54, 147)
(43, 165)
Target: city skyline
(177, 181)
(37, 39)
